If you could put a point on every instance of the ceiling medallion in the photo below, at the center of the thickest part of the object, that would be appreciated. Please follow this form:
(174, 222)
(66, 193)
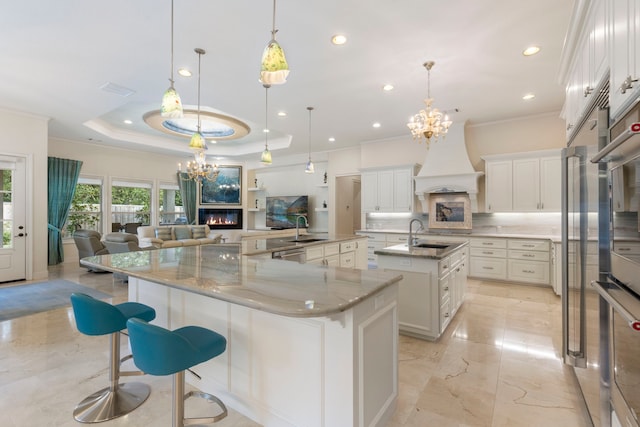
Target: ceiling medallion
(213, 125)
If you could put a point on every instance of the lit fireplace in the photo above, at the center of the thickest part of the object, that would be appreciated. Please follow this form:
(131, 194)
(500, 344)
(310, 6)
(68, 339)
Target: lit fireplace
(221, 219)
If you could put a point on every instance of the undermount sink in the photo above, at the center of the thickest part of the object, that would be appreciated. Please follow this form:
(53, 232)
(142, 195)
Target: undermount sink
(306, 240)
(431, 246)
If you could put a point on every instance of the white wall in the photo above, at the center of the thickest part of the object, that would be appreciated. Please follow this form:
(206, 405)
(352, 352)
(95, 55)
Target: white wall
(26, 135)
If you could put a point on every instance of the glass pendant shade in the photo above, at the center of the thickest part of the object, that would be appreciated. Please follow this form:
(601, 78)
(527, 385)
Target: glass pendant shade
(198, 142)
(171, 104)
(266, 157)
(274, 69)
(310, 168)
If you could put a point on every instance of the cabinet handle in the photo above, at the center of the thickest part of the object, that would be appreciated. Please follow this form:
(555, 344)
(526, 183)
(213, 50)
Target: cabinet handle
(569, 127)
(587, 91)
(487, 268)
(528, 271)
(446, 288)
(627, 84)
(528, 255)
(446, 314)
(487, 252)
(542, 205)
(487, 243)
(528, 246)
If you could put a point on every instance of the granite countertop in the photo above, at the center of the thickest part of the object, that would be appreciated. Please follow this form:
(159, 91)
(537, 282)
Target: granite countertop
(552, 237)
(280, 287)
(259, 246)
(446, 248)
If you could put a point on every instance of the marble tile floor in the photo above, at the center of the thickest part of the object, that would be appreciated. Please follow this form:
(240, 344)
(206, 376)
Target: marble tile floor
(498, 364)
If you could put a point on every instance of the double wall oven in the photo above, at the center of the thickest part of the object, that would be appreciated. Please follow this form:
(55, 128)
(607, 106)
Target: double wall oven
(601, 266)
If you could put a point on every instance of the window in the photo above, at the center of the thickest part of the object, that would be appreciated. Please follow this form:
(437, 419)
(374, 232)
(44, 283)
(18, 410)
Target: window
(130, 203)
(86, 207)
(6, 208)
(170, 203)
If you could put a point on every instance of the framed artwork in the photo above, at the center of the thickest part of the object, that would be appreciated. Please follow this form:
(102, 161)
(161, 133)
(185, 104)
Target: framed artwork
(225, 190)
(450, 211)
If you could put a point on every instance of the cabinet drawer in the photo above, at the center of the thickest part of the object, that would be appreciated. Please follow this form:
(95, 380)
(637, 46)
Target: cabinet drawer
(443, 266)
(347, 247)
(529, 271)
(331, 249)
(489, 243)
(529, 255)
(374, 237)
(445, 287)
(488, 252)
(627, 248)
(490, 268)
(529, 245)
(314, 252)
(348, 260)
(445, 314)
(333, 261)
(397, 238)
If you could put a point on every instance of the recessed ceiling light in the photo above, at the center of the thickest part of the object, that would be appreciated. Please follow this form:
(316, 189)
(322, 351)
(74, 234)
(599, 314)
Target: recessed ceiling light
(332, 139)
(387, 87)
(282, 114)
(127, 122)
(339, 39)
(531, 50)
(184, 72)
(376, 125)
(529, 96)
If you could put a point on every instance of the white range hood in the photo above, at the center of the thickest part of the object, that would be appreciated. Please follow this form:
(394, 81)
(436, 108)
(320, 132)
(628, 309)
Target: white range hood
(447, 169)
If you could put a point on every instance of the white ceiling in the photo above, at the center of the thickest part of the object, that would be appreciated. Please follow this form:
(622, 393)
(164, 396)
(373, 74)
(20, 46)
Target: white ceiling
(55, 55)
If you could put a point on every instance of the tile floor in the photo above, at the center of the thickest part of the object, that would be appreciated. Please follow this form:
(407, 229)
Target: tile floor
(498, 364)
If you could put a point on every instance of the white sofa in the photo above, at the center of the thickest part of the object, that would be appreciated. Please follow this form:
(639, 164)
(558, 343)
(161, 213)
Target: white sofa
(174, 236)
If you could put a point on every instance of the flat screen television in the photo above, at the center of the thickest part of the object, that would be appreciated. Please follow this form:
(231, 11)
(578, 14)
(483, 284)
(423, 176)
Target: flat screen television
(282, 211)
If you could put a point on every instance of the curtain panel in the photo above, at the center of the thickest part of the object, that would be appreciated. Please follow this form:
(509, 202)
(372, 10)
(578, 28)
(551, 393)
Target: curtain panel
(189, 192)
(63, 178)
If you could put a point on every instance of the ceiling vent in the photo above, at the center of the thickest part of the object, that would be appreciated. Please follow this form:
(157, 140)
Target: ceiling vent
(117, 89)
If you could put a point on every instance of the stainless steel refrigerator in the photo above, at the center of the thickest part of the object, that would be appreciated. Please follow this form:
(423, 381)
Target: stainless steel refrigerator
(585, 240)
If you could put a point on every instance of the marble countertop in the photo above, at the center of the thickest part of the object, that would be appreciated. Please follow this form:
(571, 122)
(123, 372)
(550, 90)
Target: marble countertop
(260, 246)
(280, 287)
(552, 237)
(421, 252)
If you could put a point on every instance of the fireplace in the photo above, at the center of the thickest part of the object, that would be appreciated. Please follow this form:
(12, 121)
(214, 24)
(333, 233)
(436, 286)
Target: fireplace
(221, 219)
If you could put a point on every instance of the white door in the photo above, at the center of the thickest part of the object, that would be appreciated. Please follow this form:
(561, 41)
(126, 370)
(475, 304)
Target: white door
(12, 216)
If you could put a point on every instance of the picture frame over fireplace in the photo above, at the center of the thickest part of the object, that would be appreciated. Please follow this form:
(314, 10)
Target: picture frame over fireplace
(225, 190)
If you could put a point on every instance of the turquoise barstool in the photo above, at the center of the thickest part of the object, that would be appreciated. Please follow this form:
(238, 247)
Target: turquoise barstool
(95, 317)
(159, 351)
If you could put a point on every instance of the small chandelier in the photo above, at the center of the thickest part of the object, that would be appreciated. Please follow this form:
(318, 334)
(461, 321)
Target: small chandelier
(310, 168)
(171, 104)
(198, 142)
(265, 159)
(429, 122)
(199, 170)
(274, 68)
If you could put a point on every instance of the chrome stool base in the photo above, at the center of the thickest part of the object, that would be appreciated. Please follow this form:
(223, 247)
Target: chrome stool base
(108, 403)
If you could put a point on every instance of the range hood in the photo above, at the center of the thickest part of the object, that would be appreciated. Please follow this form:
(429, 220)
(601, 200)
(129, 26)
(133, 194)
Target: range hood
(447, 169)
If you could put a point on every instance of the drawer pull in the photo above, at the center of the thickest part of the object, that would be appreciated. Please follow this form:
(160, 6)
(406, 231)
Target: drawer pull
(487, 243)
(622, 249)
(528, 271)
(487, 268)
(446, 288)
(446, 314)
(529, 246)
(487, 252)
(528, 255)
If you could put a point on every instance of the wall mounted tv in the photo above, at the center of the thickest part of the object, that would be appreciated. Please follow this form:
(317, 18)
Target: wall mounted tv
(282, 211)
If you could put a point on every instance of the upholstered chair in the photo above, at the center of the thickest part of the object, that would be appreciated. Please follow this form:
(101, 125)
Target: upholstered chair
(89, 244)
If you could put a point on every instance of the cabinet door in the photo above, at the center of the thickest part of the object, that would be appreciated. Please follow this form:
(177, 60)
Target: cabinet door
(369, 191)
(499, 186)
(385, 191)
(623, 55)
(550, 184)
(526, 185)
(403, 190)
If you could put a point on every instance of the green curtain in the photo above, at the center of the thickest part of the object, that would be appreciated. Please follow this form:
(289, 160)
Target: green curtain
(189, 192)
(63, 177)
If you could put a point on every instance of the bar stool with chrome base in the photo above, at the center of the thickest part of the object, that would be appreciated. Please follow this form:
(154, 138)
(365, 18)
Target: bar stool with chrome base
(95, 317)
(159, 351)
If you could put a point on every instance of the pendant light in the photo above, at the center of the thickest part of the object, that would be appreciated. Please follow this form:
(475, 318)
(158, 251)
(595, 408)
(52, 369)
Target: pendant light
(310, 168)
(197, 140)
(274, 68)
(171, 104)
(266, 154)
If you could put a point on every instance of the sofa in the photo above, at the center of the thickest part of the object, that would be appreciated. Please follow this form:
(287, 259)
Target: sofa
(175, 236)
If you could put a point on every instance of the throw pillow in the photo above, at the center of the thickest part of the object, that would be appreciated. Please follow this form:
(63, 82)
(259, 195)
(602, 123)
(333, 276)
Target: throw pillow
(182, 233)
(163, 233)
(200, 232)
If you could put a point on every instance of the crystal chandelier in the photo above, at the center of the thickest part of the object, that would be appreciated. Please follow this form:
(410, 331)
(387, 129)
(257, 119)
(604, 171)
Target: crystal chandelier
(430, 122)
(199, 170)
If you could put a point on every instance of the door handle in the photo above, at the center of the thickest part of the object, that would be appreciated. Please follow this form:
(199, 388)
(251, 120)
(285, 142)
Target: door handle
(20, 235)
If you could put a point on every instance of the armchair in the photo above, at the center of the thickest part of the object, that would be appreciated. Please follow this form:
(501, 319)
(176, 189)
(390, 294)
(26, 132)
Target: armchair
(89, 244)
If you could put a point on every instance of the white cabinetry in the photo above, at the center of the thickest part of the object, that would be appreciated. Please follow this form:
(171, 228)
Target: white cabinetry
(524, 182)
(625, 58)
(349, 254)
(431, 291)
(377, 241)
(388, 190)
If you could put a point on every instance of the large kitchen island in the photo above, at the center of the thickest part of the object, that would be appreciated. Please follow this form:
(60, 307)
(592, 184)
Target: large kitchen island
(308, 345)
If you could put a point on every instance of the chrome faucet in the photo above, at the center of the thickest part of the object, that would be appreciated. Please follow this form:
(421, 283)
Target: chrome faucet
(412, 240)
(306, 224)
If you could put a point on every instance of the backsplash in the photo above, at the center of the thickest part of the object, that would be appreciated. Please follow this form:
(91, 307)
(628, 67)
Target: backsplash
(544, 224)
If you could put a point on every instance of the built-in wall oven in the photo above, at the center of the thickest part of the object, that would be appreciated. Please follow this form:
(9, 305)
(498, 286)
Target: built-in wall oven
(621, 286)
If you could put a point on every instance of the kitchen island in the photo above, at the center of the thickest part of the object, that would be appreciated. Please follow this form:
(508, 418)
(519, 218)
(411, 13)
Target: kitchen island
(307, 345)
(434, 281)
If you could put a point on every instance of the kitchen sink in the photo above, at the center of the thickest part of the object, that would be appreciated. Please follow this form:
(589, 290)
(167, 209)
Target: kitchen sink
(430, 246)
(306, 240)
